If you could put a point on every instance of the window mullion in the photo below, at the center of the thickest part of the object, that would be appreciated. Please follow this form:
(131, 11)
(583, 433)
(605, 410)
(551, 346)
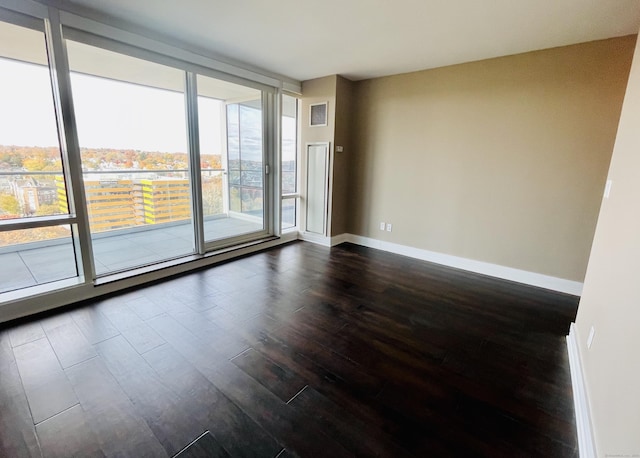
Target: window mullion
(272, 189)
(38, 221)
(68, 135)
(193, 133)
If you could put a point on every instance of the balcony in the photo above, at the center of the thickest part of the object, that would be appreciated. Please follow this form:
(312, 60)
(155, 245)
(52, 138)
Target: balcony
(136, 218)
(34, 263)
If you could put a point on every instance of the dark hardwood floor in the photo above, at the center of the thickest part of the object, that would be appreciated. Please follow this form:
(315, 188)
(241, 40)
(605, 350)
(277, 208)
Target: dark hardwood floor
(298, 351)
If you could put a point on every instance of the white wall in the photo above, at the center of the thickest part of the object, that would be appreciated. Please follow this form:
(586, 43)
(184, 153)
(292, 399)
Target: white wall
(611, 296)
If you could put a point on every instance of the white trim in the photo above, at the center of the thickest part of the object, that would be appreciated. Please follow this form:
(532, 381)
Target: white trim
(493, 270)
(329, 200)
(586, 442)
(312, 237)
(326, 114)
(338, 239)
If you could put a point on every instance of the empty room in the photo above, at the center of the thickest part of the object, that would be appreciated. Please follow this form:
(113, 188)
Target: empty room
(349, 228)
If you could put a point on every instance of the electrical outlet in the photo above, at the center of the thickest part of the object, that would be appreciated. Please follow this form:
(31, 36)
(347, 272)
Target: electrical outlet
(382, 225)
(389, 227)
(592, 333)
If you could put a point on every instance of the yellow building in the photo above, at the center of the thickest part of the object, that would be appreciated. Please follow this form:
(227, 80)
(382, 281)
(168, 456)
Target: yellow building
(118, 204)
(161, 201)
(110, 203)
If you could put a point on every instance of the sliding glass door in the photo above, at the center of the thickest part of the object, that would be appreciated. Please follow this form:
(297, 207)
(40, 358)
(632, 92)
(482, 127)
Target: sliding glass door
(130, 116)
(114, 158)
(136, 161)
(232, 159)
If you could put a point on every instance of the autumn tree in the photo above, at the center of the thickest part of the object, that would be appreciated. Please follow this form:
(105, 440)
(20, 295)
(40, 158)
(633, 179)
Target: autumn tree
(212, 195)
(48, 210)
(9, 204)
(36, 163)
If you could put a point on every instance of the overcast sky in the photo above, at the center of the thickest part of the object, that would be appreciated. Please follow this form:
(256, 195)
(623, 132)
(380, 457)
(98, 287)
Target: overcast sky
(109, 114)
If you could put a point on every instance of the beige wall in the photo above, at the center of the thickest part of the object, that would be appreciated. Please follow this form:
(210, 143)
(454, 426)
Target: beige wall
(316, 91)
(502, 160)
(342, 161)
(611, 298)
(338, 92)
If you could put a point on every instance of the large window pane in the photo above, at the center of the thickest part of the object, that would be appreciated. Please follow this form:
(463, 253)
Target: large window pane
(130, 116)
(288, 213)
(289, 144)
(249, 165)
(233, 133)
(230, 126)
(289, 159)
(30, 257)
(30, 158)
(32, 181)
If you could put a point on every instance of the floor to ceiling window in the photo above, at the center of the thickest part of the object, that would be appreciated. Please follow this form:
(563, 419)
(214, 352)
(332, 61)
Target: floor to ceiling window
(231, 145)
(36, 228)
(120, 156)
(130, 116)
(289, 148)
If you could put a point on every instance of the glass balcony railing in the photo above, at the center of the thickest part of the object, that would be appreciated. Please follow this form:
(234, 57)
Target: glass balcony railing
(116, 199)
(136, 217)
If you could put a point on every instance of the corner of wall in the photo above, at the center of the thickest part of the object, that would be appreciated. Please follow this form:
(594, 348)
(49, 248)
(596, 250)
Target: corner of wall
(586, 443)
(338, 92)
(342, 164)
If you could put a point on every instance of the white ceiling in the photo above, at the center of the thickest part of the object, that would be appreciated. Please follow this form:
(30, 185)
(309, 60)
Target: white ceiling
(361, 39)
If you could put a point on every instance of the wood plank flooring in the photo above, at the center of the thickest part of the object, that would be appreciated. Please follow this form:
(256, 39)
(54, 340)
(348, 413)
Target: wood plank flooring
(297, 351)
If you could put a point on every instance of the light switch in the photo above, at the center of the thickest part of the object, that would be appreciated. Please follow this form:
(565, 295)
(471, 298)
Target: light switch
(592, 333)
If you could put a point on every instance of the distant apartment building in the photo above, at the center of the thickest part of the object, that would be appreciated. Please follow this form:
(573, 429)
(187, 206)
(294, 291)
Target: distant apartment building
(161, 201)
(121, 203)
(5, 185)
(32, 194)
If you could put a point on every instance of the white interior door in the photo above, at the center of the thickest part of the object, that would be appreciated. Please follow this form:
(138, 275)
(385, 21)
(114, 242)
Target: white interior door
(317, 187)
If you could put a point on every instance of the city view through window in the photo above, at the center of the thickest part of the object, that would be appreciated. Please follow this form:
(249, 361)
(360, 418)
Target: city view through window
(30, 158)
(133, 146)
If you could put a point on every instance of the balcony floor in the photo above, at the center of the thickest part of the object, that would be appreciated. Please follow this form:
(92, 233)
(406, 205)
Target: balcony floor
(120, 250)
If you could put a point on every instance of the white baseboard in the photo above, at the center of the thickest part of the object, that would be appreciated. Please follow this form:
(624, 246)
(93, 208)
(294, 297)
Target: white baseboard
(586, 443)
(338, 239)
(314, 238)
(485, 268)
